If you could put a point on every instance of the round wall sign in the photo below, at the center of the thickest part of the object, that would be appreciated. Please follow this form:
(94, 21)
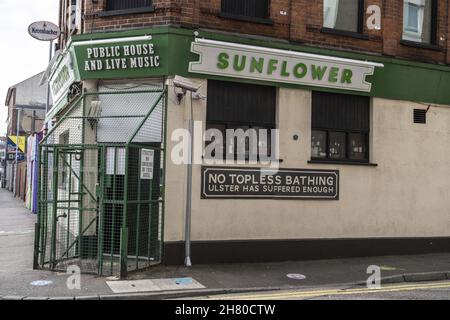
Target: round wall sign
(44, 30)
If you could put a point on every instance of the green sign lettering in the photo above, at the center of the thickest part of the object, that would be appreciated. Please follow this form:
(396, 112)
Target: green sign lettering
(300, 74)
(223, 60)
(272, 66)
(239, 65)
(333, 76)
(257, 65)
(317, 73)
(284, 72)
(347, 75)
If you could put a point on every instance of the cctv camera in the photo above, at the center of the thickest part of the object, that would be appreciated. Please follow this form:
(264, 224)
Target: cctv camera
(186, 84)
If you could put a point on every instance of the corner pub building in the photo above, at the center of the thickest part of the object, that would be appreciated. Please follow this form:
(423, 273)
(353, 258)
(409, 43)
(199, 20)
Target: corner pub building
(363, 113)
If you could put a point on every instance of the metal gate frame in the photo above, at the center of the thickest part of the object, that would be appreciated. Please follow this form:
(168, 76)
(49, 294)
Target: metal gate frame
(110, 255)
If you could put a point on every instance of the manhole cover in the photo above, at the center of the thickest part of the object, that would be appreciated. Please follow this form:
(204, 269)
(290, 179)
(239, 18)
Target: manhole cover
(296, 276)
(41, 283)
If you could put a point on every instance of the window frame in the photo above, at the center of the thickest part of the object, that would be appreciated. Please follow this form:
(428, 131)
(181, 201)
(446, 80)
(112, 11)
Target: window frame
(347, 158)
(227, 125)
(75, 20)
(347, 132)
(213, 121)
(359, 33)
(241, 17)
(146, 9)
(433, 27)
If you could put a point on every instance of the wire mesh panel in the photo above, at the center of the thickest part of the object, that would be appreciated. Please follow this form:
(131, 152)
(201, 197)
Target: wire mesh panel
(45, 204)
(144, 204)
(123, 111)
(101, 184)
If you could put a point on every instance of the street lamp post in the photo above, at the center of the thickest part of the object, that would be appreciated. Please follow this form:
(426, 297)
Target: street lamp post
(17, 148)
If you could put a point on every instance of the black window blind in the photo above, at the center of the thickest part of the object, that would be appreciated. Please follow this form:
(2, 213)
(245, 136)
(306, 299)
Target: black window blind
(340, 112)
(248, 8)
(112, 5)
(233, 102)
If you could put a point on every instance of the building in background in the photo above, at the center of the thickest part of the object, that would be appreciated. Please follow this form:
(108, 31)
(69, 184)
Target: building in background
(26, 103)
(359, 91)
(2, 160)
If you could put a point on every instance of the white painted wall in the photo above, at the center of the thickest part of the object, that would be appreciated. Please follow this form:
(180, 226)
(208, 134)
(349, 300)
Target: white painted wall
(406, 195)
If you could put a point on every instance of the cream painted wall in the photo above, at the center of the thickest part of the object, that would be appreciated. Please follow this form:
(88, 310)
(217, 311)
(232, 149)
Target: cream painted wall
(406, 195)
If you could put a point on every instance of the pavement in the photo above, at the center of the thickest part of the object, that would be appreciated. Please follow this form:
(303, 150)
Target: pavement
(17, 275)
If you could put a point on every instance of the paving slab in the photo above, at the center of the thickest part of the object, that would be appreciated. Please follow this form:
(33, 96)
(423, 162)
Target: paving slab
(133, 286)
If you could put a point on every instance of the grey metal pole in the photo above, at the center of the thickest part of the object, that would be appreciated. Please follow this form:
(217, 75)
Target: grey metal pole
(17, 150)
(187, 261)
(48, 82)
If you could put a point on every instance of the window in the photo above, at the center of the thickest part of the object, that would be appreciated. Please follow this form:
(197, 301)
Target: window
(419, 21)
(114, 5)
(234, 106)
(246, 8)
(75, 16)
(343, 15)
(340, 127)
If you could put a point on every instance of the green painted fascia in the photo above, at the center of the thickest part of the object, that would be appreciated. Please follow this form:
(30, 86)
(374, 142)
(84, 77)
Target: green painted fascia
(157, 30)
(282, 44)
(399, 79)
(55, 110)
(270, 43)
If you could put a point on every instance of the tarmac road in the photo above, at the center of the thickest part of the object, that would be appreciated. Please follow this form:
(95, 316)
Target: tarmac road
(412, 291)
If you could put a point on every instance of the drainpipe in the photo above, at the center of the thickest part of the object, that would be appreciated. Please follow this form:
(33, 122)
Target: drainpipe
(187, 260)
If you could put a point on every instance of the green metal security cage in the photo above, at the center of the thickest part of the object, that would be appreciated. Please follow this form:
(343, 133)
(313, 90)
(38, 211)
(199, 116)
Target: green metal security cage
(101, 188)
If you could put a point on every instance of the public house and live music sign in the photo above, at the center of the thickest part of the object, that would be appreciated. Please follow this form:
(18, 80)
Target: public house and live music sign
(229, 183)
(121, 58)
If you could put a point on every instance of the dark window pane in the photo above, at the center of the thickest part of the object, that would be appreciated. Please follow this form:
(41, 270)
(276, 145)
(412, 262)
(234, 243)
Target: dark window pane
(318, 144)
(344, 122)
(248, 8)
(250, 104)
(341, 14)
(127, 4)
(357, 146)
(337, 145)
(246, 107)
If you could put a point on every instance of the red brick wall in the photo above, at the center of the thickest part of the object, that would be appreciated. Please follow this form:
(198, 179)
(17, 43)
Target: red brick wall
(302, 24)
(167, 12)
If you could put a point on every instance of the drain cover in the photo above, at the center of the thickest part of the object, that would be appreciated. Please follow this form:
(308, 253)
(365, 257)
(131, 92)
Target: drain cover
(296, 276)
(41, 283)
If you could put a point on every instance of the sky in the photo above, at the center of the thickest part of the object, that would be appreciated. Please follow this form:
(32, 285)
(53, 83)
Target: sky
(21, 56)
